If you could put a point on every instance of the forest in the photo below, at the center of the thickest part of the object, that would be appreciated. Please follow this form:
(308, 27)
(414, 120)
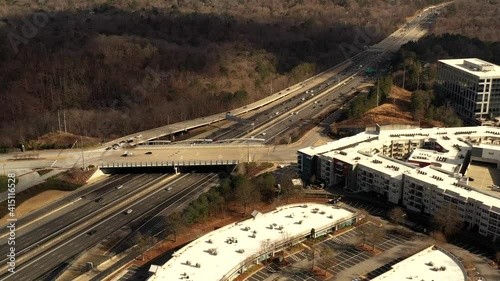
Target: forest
(419, 60)
(119, 66)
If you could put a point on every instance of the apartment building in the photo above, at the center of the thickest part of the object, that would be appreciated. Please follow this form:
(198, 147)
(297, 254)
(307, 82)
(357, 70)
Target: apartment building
(473, 86)
(420, 169)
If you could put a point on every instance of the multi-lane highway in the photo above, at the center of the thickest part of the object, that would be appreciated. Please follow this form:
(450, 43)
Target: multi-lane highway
(284, 102)
(304, 104)
(101, 213)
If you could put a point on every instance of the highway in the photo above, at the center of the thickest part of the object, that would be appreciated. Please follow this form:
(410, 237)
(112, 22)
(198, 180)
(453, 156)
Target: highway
(184, 187)
(390, 44)
(300, 107)
(285, 101)
(81, 209)
(65, 204)
(88, 216)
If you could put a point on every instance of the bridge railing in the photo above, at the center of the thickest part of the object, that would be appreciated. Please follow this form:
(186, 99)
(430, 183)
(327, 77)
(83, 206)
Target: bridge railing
(168, 164)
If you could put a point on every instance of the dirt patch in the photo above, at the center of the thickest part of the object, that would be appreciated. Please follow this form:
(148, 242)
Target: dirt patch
(36, 202)
(61, 140)
(44, 171)
(396, 110)
(369, 249)
(321, 273)
(77, 176)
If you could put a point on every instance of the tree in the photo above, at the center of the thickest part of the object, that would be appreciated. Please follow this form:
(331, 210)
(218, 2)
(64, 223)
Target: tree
(447, 220)
(363, 231)
(376, 234)
(215, 202)
(142, 242)
(288, 191)
(438, 237)
(397, 216)
(266, 184)
(363, 215)
(174, 224)
(326, 253)
(244, 192)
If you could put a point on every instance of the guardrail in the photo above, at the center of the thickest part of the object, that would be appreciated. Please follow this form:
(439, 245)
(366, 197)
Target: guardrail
(455, 259)
(168, 164)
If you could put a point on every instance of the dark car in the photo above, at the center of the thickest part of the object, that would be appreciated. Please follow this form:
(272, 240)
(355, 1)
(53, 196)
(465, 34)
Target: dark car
(98, 200)
(92, 232)
(148, 153)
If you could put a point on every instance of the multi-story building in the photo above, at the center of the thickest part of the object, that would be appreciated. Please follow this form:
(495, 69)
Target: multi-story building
(421, 169)
(473, 86)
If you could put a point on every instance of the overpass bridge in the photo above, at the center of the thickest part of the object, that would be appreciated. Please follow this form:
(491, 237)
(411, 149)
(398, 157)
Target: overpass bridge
(205, 166)
(159, 132)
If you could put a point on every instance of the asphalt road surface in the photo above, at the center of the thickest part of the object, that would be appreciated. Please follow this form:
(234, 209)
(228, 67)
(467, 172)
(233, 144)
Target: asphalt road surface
(183, 188)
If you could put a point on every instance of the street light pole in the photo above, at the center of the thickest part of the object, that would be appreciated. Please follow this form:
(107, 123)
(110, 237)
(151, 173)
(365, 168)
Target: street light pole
(83, 155)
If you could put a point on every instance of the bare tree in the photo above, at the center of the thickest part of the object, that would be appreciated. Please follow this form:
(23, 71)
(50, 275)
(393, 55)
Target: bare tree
(376, 234)
(363, 215)
(447, 220)
(438, 237)
(142, 242)
(397, 216)
(326, 253)
(363, 231)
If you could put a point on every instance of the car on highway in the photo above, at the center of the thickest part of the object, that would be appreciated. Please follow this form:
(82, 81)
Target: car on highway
(98, 200)
(128, 211)
(264, 133)
(92, 232)
(120, 186)
(168, 188)
(148, 153)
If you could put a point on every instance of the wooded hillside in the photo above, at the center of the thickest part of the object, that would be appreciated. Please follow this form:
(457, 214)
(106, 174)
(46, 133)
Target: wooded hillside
(121, 66)
(472, 18)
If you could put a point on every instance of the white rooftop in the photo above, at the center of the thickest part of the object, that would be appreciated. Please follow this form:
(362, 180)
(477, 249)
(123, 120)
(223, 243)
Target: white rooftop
(334, 145)
(444, 164)
(474, 66)
(235, 243)
(447, 183)
(418, 267)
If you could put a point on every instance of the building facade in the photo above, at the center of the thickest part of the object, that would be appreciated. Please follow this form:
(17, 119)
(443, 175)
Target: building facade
(421, 169)
(473, 86)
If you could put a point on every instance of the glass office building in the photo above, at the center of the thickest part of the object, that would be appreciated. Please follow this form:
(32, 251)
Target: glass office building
(473, 86)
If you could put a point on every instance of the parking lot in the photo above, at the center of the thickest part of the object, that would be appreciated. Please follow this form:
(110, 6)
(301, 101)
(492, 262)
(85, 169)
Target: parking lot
(380, 212)
(374, 211)
(483, 254)
(345, 255)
